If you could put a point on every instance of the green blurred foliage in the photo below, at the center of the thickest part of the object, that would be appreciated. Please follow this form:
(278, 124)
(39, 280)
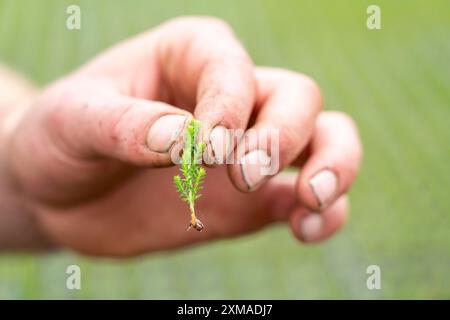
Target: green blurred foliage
(394, 82)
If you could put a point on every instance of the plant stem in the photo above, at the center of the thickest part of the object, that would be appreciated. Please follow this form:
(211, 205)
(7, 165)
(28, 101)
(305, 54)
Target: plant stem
(193, 216)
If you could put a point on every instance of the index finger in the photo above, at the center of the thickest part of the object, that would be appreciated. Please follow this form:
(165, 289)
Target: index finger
(207, 66)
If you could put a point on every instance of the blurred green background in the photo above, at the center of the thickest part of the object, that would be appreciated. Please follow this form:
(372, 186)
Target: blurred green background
(395, 82)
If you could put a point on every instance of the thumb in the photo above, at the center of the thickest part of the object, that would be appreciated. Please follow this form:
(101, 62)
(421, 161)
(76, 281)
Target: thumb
(134, 131)
(73, 142)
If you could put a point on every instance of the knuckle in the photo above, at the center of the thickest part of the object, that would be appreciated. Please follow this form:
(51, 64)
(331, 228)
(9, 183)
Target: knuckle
(309, 85)
(302, 83)
(200, 23)
(343, 117)
(214, 23)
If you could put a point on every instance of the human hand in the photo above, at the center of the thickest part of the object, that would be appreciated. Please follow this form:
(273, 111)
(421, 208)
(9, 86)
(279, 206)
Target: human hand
(85, 154)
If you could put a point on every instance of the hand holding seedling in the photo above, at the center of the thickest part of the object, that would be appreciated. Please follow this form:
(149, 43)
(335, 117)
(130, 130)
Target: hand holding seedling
(92, 156)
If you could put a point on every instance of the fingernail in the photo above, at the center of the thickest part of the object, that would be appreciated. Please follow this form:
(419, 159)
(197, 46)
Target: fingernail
(251, 166)
(220, 139)
(311, 227)
(324, 185)
(165, 131)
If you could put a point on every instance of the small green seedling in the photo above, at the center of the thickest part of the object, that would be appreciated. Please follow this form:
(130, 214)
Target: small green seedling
(193, 173)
